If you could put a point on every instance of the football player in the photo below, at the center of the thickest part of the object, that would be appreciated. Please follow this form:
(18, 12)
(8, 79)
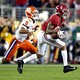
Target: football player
(51, 34)
(19, 40)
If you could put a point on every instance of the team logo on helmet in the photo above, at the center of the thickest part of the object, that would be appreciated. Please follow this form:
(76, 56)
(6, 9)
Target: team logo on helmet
(63, 11)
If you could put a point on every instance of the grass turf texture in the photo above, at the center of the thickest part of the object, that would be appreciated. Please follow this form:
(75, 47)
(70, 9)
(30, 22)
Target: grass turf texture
(38, 72)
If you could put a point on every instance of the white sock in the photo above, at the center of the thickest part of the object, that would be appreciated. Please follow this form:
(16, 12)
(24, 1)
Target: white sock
(64, 55)
(30, 58)
(0, 59)
(23, 56)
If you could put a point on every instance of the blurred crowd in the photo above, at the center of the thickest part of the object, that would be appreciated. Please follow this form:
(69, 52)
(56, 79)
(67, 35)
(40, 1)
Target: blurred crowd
(41, 3)
(6, 33)
(7, 30)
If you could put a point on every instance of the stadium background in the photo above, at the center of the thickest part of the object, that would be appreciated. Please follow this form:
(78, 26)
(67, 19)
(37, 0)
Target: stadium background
(13, 11)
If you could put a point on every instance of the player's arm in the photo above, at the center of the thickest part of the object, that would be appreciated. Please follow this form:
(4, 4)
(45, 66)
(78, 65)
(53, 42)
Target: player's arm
(26, 28)
(24, 31)
(55, 30)
(51, 28)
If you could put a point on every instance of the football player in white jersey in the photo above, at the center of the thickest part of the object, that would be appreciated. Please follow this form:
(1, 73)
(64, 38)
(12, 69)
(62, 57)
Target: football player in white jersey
(19, 40)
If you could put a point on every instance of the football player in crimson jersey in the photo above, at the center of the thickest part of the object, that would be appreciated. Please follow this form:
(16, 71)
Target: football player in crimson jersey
(19, 40)
(51, 34)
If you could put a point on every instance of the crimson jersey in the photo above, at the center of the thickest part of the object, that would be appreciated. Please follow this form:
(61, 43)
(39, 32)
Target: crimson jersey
(55, 20)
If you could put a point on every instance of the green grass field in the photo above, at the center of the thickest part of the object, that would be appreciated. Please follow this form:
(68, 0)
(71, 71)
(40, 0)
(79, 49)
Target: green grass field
(38, 72)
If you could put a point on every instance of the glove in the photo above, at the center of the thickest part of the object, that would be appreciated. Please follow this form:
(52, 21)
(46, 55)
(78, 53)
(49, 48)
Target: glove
(35, 28)
(61, 34)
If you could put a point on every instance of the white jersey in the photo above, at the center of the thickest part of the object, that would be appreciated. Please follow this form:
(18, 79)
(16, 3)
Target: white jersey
(25, 22)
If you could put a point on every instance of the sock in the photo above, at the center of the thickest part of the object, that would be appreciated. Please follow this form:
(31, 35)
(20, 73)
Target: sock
(0, 59)
(64, 55)
(22, 57)
(30, 58)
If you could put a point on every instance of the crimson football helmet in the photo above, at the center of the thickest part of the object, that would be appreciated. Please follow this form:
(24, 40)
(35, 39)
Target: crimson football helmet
(32, 12)
(63, 11)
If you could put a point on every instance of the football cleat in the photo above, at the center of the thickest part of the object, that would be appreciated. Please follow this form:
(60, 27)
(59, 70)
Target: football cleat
(68, 69)
(20, 66)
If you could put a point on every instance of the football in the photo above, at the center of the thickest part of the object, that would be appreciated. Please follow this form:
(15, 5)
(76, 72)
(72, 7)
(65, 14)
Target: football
(54, 36)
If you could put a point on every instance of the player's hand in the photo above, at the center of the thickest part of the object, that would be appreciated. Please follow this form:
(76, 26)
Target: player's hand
(36, 27)
(61, 34)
